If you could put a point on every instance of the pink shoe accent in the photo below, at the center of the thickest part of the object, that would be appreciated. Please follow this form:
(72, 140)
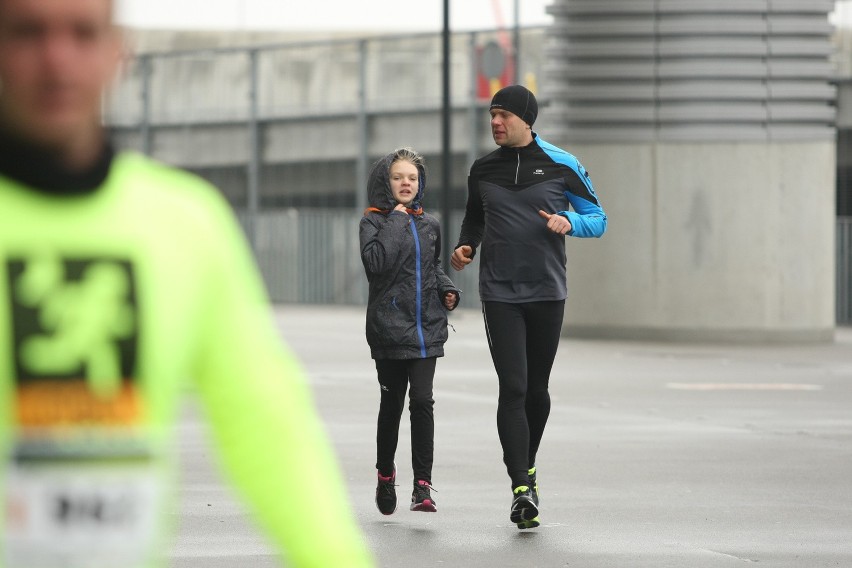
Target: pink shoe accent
(427, 505)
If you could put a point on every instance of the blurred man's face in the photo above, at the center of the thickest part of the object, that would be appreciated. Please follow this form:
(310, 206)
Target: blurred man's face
(56, 59)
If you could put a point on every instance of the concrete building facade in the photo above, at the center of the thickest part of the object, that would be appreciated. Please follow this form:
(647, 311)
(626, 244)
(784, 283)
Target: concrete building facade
(709, 127)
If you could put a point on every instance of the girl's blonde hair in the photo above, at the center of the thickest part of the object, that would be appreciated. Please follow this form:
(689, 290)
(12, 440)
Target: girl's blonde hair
(409, 155)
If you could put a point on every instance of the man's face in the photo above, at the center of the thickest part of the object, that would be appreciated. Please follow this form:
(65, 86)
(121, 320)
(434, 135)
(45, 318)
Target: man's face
(508, 129)
(56, 59)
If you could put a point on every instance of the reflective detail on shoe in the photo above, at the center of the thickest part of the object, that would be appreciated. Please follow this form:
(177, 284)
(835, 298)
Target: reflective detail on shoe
(421, 497)
(533, 484)
(523, 507)
(530, 524)
(386, 493)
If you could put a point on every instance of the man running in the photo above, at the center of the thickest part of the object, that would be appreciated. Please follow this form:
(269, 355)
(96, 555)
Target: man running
(518, 211)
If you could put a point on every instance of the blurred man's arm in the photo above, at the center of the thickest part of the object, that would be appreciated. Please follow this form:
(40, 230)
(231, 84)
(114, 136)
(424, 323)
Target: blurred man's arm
(263, 417)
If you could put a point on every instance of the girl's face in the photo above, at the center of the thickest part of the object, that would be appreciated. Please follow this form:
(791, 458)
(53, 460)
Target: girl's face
(404, 181)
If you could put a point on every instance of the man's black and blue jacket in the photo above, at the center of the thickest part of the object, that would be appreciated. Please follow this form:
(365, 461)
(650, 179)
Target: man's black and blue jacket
(520, 259)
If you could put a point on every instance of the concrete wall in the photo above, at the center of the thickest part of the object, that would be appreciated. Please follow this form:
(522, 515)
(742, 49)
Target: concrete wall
(725, 242)
(709, 131)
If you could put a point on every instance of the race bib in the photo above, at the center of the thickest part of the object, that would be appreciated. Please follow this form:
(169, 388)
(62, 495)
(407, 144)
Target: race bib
(82, 515)
(84, 487)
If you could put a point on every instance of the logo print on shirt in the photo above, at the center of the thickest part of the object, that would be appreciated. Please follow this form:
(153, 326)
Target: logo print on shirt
(75, 334)
(538, 173)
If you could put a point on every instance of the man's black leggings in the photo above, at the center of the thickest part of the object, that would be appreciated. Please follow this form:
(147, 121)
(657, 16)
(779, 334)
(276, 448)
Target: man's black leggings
(523, 339)
(394, 377)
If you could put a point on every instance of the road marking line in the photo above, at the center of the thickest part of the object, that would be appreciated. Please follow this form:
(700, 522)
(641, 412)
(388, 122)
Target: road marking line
(744, 386)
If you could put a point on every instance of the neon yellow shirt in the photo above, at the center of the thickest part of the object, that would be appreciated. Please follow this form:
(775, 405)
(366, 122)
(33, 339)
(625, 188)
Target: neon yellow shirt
(109, 303)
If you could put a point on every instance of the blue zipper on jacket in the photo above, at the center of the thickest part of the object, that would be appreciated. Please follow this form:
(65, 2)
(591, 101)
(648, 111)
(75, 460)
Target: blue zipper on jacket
(419, 288)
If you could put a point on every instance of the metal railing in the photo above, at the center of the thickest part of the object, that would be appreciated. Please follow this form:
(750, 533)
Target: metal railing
(287, 133)
(297, 125)
(313, 256)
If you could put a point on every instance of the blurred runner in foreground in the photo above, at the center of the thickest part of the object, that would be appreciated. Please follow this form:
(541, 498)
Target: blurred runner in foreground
(119, 279)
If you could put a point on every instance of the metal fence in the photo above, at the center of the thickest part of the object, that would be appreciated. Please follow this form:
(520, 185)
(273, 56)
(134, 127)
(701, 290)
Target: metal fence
(297, 125)
(287, 133)
(312, 256)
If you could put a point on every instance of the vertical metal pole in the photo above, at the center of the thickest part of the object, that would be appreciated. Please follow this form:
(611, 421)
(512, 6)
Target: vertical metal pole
(363, 139)
(254, 161)
(516, 43)
(446, 156)
(472, 106)
(145, 95)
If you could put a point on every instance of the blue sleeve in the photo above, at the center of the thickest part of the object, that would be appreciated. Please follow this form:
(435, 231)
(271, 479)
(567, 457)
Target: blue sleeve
(588, 218)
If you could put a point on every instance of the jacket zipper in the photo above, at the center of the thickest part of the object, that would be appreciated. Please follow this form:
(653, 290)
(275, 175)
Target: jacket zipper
(518, 168)
(419, 294)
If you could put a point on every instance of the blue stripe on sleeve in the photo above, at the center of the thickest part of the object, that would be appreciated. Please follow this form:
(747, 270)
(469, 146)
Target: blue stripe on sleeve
(588, 218)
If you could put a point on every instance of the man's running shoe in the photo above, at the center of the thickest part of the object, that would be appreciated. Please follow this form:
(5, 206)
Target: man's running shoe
(386, 493)
(531, 524)
(421, 497)
(523, 507)
(534, 485)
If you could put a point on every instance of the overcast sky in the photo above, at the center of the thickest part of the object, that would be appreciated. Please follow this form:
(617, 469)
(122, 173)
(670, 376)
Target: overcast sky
(385, 15)
(392, 16)
(842, 15)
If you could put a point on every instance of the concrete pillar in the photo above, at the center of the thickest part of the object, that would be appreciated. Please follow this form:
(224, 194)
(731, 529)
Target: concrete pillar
(708, 129)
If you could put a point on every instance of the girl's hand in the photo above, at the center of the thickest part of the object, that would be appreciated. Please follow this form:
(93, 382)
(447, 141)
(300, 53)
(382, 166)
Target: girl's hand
(451, 299)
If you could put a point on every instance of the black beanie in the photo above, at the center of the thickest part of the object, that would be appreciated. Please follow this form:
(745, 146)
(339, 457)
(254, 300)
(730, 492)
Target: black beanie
(518, 100)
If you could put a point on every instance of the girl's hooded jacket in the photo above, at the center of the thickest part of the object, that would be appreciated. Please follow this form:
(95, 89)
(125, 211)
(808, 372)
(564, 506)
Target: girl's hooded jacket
(406, 317)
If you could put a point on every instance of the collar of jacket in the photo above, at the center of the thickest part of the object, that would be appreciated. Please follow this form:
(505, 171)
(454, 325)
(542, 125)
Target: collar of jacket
(418, 211)
(514, 150)
(41, 169)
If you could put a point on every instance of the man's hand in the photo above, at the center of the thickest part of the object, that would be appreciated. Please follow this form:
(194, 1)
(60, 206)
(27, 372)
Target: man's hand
(462, 256)
(556, 223)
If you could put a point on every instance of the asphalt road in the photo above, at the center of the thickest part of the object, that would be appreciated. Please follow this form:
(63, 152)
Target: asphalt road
(655, 455)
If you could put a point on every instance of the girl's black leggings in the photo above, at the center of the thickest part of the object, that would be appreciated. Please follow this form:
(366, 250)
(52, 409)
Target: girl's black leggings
(523, 339)
(394, 377)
